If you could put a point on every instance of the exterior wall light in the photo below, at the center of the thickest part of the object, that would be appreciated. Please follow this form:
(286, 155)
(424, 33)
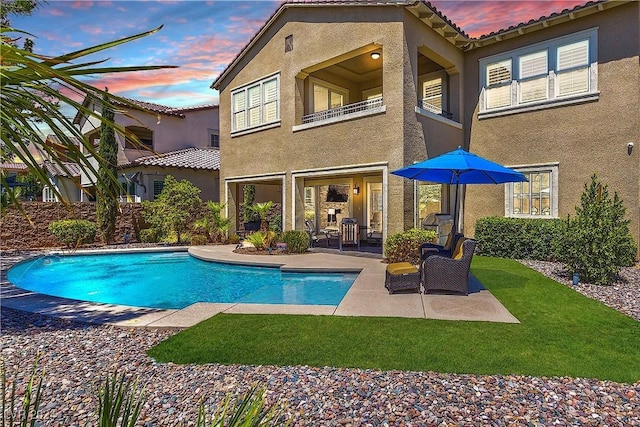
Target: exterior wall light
(629, 148)
(375, 55)
(356, 189)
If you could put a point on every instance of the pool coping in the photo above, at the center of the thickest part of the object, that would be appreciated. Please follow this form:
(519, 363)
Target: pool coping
(366, 297)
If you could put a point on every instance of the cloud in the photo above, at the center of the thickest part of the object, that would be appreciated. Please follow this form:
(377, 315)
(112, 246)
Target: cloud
(55, 12)
(478, 18)
(82, 4)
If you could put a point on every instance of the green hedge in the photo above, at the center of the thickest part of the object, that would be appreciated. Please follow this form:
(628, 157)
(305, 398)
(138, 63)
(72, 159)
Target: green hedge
(518, 238)
(403, 247)
(297, 241)
(74, 232)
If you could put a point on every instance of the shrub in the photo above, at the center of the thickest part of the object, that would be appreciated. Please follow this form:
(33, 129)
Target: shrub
(403, 247)
(73, 232)
(149, 235)
(261, 240)
(517, 238)
(233, 239)
(171, 210)
(297, 241)
(597, 242)
(198, 240)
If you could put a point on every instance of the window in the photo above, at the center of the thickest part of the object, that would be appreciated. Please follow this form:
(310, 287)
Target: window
(214, 138)
(562, 70)
(256, 105)
(327, 96)
(432, 95)
(158, 186)
(536, 198)
(144, 135)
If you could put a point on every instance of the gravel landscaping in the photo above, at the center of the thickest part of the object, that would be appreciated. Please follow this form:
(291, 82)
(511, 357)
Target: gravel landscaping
(76, 356)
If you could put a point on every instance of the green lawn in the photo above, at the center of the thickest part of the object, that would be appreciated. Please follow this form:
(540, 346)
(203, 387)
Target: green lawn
(561, 333)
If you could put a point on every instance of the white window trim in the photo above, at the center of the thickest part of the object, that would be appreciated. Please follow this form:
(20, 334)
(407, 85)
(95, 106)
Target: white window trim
(508, 190)
(262, 125)
(553, 101)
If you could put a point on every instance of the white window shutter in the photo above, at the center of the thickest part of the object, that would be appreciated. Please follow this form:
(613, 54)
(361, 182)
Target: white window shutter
(534, 64)
(499, 96)
(253, 95)
(239, 101)
(573, 55)
(432, 95)
(499, 72)
(573, 82)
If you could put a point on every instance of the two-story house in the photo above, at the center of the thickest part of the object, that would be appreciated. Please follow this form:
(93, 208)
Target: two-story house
(329, 97)
(182, 142)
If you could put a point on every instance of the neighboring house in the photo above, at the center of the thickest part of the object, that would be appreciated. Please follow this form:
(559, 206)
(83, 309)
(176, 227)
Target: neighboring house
(65, 178)
(183, 142)
(330, 96)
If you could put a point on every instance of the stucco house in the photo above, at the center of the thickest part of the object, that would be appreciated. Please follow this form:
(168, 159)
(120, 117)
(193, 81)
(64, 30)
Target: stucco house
(330, 96)
(183, 142)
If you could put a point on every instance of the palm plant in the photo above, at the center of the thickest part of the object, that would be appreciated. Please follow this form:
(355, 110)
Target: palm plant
(213, 223)
(262, 209)
(32, 88)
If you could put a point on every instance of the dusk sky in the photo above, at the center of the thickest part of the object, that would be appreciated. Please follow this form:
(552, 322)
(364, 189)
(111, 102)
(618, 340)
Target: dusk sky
(203, 37)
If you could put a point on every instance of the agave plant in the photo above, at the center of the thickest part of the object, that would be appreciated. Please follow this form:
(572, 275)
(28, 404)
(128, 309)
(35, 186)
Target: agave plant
(32, 88)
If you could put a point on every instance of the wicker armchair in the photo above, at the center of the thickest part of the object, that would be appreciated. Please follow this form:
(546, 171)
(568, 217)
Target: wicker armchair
(428, 249)
(440, 273)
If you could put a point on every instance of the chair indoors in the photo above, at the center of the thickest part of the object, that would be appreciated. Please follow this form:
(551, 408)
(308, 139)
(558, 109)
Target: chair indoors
(449, 274)
(349, 233)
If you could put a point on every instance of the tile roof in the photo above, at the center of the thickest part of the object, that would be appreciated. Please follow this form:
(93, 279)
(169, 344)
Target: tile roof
(190, 158)
(152, 106)
(542, 18)
(13, 167)
(65, 169)
(465, 43)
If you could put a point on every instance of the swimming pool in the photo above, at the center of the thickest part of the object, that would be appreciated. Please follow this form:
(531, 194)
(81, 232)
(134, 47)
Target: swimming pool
(174, 280)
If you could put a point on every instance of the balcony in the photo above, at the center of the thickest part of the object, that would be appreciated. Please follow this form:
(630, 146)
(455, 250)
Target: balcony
(346, 112)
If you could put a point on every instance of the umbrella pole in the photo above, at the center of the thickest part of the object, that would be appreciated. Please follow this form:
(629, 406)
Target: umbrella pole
(455, 211)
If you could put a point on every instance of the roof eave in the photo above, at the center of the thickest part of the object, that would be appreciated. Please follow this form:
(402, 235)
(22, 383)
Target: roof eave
(545, 22)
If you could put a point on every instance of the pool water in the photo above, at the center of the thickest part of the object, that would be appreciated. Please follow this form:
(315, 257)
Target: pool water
(174, 280)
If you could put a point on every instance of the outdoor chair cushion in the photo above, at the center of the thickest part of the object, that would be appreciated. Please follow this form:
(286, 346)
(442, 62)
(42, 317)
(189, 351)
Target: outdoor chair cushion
(402, 276)
(441, 273)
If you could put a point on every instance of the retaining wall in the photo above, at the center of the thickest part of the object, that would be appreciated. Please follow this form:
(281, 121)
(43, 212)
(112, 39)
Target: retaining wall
(20, 232)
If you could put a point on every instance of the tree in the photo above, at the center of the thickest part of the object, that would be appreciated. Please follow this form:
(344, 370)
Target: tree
(597, 242)
(170, 211)
(33, 86)
(107, 187)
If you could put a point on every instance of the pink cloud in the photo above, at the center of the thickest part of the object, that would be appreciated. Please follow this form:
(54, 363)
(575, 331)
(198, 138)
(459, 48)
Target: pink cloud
(478, 18)
(54, 12)
(91, 29)
(82, 4)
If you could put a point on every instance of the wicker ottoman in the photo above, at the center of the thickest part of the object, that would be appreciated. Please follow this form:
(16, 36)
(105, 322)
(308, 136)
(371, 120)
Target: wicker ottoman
(402, 276)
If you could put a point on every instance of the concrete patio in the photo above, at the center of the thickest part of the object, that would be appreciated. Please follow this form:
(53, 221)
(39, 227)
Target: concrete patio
(367, 296)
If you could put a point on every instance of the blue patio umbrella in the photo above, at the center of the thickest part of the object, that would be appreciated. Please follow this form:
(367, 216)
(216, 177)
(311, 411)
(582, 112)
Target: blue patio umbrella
(460, 167)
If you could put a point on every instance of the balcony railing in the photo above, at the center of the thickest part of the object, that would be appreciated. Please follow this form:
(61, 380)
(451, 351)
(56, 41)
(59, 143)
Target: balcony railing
(338, 112)
(434, 109)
